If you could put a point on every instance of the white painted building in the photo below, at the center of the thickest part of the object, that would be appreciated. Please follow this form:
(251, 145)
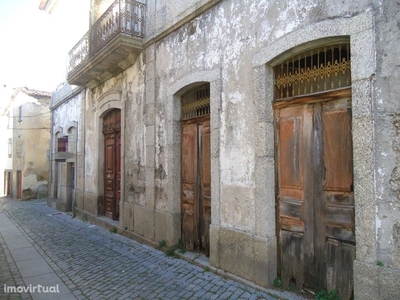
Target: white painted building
(6, 150)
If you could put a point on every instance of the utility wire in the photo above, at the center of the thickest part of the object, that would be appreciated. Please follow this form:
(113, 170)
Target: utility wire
(17, 117)
(28, 128)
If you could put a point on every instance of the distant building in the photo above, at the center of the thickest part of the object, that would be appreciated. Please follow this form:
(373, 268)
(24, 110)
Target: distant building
(6, 142)
(27, 115)
(264, 134)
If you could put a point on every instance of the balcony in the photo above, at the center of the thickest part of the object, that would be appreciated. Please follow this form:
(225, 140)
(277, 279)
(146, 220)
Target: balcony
(110, 46)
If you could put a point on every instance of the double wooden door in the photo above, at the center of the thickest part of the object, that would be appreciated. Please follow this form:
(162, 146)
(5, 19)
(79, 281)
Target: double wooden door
(112, 163)
(315, 193)
(196, 184)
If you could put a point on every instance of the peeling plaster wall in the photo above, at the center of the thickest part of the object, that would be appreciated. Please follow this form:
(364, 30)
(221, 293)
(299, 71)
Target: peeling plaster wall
(125, 92)
(387, 120)
(164, 14)
(230, 39)
(226, 37)
(135, 134)
(67, 113)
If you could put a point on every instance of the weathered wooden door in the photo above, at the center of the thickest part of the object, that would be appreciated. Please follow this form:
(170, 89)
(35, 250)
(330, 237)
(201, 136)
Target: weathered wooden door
(315, 193)
(7, 183)
(196, 184)
(112, 163)
(19, 184)
(70, 186)
(118, 174)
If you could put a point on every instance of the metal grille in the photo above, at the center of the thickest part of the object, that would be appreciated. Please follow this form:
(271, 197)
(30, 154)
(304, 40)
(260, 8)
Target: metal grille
(322, 69)
(196, 102)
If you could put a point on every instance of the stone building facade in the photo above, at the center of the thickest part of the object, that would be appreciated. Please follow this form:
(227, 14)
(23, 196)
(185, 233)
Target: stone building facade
(28, 127)
(66, 107)
(257, 132)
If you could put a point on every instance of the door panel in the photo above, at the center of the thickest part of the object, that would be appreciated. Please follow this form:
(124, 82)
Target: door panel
(315, 195)
(337, 151)
(196, 185)
(294, 139)
(338, 197)
(189, 181)
(290, 136)
(205, 187)
(118, 175)
(109, 174)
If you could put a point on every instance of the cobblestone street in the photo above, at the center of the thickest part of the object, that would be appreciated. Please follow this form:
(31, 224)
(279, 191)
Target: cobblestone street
(94, 263)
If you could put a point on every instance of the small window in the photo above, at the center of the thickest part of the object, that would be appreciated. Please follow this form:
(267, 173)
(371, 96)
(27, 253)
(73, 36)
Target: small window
(20, 114)
(63, 144)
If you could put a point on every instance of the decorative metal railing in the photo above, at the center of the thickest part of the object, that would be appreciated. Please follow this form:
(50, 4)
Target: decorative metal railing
(80, 53)
(123, 16)
(196, 102)
(317, 70)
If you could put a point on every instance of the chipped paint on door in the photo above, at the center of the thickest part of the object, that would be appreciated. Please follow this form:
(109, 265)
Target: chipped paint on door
(196, 184)
(315, 193)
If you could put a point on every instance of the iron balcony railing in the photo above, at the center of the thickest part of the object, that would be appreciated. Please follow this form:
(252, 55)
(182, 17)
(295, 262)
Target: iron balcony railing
(123, 16)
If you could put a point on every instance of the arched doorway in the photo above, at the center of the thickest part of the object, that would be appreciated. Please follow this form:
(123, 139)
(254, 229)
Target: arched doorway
(112, 163)
(196, 169)
(315, 199)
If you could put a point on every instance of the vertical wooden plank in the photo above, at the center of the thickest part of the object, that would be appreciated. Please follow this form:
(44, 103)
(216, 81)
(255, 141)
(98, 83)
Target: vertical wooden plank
(318, 209)
(338, 198)
(309, 174)
(188, 191)
(339, 271)
(345, 276)
(205, 186)
(296, 243)
(292, 259)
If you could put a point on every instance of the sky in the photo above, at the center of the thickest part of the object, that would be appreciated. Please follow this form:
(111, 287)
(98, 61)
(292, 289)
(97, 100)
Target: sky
(34, 45)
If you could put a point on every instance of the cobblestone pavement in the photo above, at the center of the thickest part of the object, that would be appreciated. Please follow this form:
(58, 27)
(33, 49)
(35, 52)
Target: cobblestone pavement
(9, 274)
(97, 264)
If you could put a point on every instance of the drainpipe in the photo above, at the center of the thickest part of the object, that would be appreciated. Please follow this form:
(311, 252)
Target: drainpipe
(50, 189)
